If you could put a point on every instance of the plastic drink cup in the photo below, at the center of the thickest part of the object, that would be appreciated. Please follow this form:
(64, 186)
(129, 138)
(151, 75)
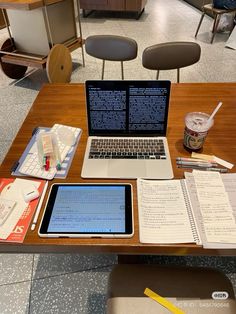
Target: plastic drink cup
(196, 129)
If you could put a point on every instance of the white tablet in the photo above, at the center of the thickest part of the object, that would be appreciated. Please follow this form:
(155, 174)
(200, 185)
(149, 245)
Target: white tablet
(88, 210)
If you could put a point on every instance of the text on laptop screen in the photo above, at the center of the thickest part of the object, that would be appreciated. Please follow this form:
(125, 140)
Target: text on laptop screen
(127, 107)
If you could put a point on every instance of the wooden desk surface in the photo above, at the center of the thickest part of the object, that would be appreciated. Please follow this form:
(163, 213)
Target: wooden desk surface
(65, 104)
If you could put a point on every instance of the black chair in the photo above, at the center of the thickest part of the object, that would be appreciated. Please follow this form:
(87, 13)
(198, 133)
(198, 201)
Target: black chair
(112, 48)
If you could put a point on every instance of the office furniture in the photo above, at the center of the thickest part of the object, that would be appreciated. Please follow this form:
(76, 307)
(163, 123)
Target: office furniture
(198, 3)
(136, 6)
(59, 64)
(2, 20)
(65, 104)
(217, 13)
(171, 55)
(35, 27)
(112, 48)
(189, 287)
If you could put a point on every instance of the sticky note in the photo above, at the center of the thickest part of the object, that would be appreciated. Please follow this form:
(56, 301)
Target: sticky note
(164, 302)
(218, 160)
(222, 162)
(202, 156)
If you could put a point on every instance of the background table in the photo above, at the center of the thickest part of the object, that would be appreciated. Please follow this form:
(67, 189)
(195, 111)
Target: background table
(35, 27)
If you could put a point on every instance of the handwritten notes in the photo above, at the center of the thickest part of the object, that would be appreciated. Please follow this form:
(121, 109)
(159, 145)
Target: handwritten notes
(163, 215)
(216, 211)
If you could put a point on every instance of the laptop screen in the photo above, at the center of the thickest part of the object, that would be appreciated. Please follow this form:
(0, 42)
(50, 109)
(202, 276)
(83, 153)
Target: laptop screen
(127, 107)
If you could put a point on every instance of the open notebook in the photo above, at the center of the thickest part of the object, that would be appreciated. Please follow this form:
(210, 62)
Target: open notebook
(200, 209)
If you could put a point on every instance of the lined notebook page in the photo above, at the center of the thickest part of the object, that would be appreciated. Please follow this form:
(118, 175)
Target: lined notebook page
(217, 214)
(163, 213)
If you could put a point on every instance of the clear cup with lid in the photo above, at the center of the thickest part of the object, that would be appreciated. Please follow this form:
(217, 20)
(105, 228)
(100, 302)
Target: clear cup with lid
(196, 130)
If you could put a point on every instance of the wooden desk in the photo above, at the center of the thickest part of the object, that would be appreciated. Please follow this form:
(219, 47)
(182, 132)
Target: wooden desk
(65, 104)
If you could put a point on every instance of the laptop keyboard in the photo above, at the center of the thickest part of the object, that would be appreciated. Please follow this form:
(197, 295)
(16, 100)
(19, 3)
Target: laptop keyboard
(127, 149)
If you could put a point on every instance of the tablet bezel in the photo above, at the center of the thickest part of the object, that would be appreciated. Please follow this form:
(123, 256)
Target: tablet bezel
(129, 224)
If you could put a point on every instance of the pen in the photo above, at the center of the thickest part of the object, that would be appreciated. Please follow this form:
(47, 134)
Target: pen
(221, 170)
(196, 163)
(39, 206)
(193, 159)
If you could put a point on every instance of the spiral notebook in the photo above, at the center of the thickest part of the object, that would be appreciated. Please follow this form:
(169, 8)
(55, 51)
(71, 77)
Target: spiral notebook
(199, 209)
(165, 213)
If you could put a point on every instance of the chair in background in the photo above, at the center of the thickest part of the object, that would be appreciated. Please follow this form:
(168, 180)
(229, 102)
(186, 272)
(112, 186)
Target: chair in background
(171, 55)
(217, 13)
(111, 48)
(194, 289)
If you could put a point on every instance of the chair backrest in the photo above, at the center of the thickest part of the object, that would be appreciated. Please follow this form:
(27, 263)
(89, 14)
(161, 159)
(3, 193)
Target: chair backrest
(171, 55)
(190, 287)
(111, 47)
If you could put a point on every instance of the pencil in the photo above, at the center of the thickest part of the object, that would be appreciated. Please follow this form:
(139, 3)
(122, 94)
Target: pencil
(39, 207)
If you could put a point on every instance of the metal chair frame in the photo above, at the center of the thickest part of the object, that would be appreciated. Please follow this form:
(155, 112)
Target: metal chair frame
(217, 13)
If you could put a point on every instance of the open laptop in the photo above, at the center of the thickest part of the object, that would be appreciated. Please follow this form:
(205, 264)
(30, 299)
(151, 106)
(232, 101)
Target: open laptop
(127, 123)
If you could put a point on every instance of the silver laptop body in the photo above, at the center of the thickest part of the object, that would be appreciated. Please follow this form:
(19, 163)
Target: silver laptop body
(127, 122)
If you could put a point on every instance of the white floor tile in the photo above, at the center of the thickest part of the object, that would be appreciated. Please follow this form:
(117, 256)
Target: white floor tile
(55, 264)
(15, 268)
(14, 299)
(77, 293)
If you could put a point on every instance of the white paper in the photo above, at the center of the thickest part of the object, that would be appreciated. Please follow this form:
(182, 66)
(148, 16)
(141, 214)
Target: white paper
(163, 215)
(217, 214)
(14, 192)
(231, 42)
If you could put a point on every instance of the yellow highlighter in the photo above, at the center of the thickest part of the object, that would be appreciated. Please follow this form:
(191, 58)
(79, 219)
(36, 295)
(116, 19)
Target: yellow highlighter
(164, 302)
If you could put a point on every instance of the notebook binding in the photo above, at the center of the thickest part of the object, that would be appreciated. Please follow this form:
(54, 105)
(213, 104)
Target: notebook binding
(190, 213)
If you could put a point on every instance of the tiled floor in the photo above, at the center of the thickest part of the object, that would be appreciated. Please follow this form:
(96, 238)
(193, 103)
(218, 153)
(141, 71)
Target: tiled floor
(73, 283)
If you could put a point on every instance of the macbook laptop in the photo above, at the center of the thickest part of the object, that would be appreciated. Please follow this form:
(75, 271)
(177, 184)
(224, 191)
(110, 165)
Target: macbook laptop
(127, 123)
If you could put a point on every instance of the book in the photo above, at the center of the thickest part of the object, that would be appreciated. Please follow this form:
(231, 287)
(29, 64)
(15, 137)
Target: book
(199, 209)
(15, 225)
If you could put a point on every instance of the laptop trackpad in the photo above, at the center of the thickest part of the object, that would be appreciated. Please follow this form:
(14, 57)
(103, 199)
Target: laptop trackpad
(118, 168)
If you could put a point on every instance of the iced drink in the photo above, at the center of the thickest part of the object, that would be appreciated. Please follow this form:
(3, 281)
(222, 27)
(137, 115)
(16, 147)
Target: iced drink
(196, 129)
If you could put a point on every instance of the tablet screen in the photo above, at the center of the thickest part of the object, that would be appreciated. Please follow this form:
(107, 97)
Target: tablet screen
(79, 209)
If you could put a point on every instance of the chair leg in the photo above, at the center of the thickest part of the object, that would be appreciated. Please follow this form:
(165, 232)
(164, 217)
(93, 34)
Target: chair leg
(103, 67)
(178, 73)
(215, 26)
(122, 70)
(157, 77)
(200, 22)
